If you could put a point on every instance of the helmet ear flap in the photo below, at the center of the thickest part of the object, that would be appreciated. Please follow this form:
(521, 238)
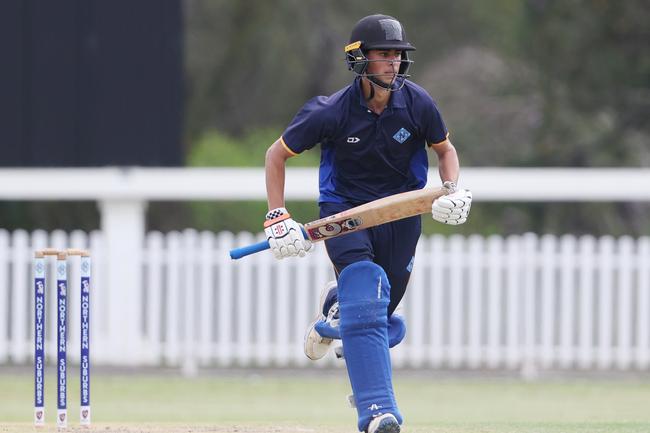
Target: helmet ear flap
(357, 61)
(404, 64)
(355, 58)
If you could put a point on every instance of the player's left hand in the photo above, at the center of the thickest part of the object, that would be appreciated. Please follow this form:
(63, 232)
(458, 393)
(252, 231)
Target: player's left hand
(453, 208)
(285, 236)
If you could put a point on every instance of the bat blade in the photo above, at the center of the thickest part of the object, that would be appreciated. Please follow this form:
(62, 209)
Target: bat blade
(374, 213)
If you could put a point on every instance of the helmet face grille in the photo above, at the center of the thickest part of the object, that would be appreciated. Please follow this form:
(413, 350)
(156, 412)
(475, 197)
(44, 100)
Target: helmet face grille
(358, 63)
(378, 32)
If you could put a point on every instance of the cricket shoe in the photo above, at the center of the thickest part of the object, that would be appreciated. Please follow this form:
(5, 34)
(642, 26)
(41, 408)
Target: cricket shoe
(386, 423)
(316, 346)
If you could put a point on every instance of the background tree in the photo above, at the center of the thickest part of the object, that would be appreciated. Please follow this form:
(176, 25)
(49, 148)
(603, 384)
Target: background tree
(520, 83)
(534, 83)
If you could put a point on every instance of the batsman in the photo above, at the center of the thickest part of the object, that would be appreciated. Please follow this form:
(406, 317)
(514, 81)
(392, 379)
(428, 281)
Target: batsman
(373, 136)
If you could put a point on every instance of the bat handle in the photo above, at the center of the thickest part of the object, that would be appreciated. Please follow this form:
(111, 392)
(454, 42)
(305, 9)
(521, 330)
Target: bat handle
(238, 253)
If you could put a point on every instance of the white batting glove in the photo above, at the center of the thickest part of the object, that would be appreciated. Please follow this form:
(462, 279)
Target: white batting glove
(453, 208)
(285, 235)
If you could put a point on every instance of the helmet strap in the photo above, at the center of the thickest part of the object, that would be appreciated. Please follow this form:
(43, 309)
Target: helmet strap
(372, 93)
(374, 82)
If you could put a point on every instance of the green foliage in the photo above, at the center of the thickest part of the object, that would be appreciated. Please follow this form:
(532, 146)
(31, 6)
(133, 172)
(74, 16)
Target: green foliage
(46, 215)
(593, 75)
(215, 148)
(236, 216)
(519, 83)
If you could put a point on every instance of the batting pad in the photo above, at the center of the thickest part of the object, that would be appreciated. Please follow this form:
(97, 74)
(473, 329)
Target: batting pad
(364, 295)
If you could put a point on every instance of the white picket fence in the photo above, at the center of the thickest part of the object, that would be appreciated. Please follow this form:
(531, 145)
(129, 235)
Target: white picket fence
(522, 302)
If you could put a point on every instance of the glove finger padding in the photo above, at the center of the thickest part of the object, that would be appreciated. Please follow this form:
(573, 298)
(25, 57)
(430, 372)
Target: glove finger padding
(455, 222)
(448, 203)
(273, 246)
(452, 209)
(449, 216)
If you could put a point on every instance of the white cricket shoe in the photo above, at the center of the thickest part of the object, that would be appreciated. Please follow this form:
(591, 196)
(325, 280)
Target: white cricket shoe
(386, 423)
(316, 346)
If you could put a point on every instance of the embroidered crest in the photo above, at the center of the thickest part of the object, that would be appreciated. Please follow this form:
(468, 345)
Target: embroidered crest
(402, 135)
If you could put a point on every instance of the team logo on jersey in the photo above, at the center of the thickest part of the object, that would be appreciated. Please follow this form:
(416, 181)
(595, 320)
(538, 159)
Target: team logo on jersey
(402, 135)
(353, 139)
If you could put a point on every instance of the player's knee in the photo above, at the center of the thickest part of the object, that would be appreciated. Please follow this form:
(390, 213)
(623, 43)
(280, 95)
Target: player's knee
(364, 295)
(396, 330)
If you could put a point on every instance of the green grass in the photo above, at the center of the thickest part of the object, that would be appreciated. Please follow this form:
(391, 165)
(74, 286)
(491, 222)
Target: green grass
(270, 403)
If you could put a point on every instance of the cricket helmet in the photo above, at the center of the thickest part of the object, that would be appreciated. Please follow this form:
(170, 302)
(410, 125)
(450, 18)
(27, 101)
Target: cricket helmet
(377, 32)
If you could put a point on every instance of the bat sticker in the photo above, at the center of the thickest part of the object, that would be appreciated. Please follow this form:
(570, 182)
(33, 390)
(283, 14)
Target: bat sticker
(335, 228)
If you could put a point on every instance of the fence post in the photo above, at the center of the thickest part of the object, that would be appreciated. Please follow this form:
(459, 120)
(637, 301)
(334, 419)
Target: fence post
(244, 305)
(189, 289)
(225, 289)
(605, 296)
(568, 320)
(172, 319)
(587, 254)
(206, 295)
(513, 303)
(20, 298)
(625, 313)
(643, 304)
(548, 317)
(475, 307)
(4, 295)
(436, 269)
(494, 296)
(153, 261)
(530, 363)
(123, 225)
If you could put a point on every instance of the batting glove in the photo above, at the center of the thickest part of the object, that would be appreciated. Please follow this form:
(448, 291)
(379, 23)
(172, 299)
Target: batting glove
(453, 208)
(285, 236)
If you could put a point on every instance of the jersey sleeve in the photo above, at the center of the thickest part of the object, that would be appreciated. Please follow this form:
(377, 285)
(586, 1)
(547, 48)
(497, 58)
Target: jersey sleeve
(311, 125)
(435, 131)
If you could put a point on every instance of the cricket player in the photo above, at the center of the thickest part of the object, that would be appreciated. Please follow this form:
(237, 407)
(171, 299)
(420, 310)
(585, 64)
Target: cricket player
(373, 136)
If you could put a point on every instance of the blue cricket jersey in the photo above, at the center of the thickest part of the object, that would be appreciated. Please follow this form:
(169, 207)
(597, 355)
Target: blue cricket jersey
(365, 156)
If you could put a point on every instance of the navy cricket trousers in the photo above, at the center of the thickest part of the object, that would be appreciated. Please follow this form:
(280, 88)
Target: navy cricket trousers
(391, 246)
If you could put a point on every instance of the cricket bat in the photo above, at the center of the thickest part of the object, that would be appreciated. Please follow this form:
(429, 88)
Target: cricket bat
(374, 213)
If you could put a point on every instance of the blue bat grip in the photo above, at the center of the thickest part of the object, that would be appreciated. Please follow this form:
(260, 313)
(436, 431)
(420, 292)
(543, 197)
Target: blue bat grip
(238, 253)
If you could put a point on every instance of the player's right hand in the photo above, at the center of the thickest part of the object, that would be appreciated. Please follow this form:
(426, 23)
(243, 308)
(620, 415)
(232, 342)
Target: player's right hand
(285, 236)
(454, 207)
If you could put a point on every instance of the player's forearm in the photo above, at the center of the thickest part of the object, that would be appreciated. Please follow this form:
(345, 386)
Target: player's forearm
(448, 165)
(275, 174)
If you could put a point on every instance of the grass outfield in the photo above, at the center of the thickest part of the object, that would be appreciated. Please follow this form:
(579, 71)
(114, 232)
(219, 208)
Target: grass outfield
(268, 403)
